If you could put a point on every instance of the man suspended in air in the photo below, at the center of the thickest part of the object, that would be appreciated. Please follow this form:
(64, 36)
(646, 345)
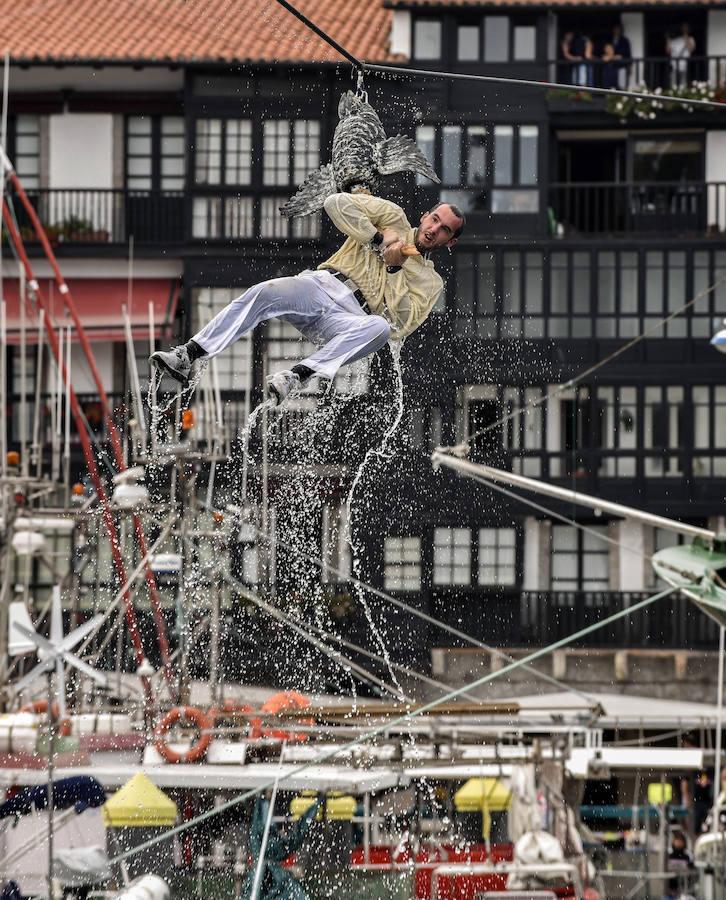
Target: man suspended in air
(380, 285)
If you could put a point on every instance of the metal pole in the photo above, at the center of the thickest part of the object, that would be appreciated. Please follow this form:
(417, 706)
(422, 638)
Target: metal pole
(37, 446)
(51, 739)
(23, 423)
(719, 724)
(266, 833)
(366, 827)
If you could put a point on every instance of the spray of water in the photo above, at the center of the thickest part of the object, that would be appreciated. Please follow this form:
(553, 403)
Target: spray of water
(374, 456)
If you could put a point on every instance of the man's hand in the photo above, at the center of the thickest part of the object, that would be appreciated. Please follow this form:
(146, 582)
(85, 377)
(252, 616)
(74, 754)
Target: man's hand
(393, 253)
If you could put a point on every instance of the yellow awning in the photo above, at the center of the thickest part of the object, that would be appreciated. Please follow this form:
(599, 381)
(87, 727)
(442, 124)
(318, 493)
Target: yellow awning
(139, 804)
(480, 793)
(338, 807)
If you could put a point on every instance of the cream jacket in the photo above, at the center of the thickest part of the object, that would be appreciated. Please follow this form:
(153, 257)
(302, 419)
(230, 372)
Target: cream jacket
(405, 298)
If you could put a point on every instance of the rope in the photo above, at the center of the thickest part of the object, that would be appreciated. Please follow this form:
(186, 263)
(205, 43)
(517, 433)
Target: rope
(568, 385)
(353, 60)
(547, 85)
(402, 720)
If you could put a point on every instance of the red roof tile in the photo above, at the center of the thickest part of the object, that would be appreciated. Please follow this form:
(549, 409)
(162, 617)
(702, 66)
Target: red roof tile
(432, 4)
(190, 30)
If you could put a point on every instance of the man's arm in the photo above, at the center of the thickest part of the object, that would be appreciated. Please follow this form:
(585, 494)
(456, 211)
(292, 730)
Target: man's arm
(361, 216)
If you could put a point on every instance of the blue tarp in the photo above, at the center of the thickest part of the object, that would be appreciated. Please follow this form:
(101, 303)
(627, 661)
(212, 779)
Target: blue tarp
(80, 791)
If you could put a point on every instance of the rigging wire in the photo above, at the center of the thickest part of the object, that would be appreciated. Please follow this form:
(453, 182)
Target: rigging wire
(547, 85)
(398, 722)
(361, 67)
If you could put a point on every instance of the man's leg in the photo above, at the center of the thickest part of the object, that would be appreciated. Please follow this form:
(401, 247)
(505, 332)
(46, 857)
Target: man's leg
(298, 297)
(349, 338)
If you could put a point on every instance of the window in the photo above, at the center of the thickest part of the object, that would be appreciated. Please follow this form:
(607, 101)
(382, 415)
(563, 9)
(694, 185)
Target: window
(709, 430)
(452, 556)
(336, 549)
(617, 300)
(515, 165)
(497, 556)
(522, 435)
(427, 39)
(468, 43)
(24, 149)
(155, 153)
(238, 152)
(579, 559)
(208, 152)
(484, 170)
(276, 152)
(476, 296)
(525, 43)
(667, 159)
(665, 291)
(618, 430)
(522, 295)
(662, 431)
(570, 295)
(402, 563)
(496, 39)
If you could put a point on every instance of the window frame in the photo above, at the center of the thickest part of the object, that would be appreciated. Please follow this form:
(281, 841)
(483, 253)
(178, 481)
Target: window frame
(264, 198)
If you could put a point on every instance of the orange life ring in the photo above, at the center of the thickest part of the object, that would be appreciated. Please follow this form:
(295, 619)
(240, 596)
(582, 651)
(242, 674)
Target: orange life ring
(202, 720)
(41, 706)
(275, 703)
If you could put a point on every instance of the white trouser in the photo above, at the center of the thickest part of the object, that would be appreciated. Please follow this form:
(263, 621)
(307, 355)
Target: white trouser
(321, 308)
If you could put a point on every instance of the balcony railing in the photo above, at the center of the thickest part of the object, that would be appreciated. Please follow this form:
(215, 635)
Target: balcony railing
(86, 215)
(664, 207)
(653, 71)
(536, 618)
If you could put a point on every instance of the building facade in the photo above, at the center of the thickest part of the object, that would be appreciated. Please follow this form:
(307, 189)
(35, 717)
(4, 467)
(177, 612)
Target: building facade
(587, 225)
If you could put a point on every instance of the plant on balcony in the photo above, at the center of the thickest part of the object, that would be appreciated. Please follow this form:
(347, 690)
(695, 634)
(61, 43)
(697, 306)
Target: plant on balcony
(641, 108)
(75, 228)
(652, 106)
(52, 232)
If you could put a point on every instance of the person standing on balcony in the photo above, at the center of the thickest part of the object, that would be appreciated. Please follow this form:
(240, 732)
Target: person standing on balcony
(568, 54)
(581, 48)
(623, 53)
(680, 49)
(367, 292)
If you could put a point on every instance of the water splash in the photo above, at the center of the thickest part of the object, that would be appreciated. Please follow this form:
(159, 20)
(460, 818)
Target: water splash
(374, 455)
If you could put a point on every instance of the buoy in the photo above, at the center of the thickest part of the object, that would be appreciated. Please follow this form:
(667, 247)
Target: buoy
(202, 720)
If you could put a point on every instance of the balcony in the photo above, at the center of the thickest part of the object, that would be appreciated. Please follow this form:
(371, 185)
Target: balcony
(684, 208)
(652, 72)
(508, 618)
(93, 216)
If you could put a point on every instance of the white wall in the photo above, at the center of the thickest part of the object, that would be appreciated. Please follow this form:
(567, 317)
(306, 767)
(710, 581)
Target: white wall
(716, 171)
(81, 150)
(401, 32)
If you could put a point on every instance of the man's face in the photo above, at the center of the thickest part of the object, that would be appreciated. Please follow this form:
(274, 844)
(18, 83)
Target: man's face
(437, 229)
